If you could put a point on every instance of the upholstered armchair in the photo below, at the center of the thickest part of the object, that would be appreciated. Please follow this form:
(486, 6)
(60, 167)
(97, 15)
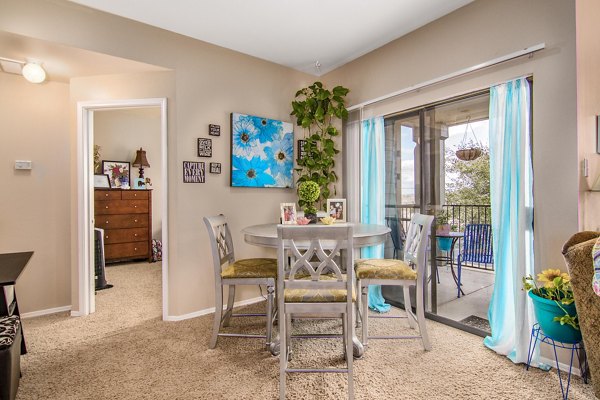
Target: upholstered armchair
(578, 255)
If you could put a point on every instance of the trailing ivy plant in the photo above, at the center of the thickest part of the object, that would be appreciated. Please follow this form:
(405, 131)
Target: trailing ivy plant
(315, 109)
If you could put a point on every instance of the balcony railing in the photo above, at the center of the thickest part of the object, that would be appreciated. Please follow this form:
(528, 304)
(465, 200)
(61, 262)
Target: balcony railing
(459, 215)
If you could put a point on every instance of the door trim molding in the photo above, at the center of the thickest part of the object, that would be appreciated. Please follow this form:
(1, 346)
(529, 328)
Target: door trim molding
(85, 195)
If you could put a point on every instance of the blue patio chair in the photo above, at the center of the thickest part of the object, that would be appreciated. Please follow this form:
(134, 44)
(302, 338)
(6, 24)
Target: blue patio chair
(477, 247)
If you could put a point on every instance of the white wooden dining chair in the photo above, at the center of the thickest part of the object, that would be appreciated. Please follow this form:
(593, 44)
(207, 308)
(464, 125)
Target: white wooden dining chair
(231, 272)
(394, 272)
(315, 284)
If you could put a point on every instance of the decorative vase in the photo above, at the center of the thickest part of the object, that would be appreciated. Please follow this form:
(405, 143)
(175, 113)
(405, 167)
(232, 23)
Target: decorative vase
(312, 217)
(444, 243)
(545, 310)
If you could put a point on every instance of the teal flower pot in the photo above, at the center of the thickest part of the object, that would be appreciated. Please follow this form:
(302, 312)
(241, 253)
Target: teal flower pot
(545, 311)
(444, 243)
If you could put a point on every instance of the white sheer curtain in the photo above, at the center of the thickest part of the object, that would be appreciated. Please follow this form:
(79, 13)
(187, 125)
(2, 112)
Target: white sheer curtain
(510, 313)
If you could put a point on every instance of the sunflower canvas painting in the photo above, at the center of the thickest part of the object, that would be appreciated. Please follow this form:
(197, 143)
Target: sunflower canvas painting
(262, 152)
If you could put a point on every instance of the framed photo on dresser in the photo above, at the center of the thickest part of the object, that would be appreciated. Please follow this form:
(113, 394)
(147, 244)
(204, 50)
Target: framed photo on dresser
(118, 173)
(101, 181)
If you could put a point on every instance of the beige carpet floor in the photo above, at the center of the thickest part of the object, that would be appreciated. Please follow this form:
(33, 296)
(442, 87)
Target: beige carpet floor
(125, 351)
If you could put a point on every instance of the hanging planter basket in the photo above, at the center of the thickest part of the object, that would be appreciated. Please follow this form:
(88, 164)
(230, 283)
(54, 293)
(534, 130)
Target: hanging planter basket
(469, 150)
(469, 154)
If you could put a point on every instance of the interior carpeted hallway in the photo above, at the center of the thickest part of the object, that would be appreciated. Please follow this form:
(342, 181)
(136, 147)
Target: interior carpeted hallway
(125, 351)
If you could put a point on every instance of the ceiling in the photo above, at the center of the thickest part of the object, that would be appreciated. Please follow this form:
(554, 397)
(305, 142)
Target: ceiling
(312, 36)
(63, 62)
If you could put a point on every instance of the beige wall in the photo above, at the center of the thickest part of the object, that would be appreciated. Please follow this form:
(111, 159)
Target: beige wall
(481, 31)
(588, 106)
(35, 205)
(207, 83)
(120, 133)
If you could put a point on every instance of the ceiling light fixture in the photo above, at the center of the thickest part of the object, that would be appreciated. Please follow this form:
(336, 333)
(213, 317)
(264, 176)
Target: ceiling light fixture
(318, 66)
(34, 72)
(31, 70)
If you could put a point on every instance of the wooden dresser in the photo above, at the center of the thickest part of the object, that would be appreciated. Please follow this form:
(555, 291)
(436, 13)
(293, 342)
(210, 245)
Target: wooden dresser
(126, 217)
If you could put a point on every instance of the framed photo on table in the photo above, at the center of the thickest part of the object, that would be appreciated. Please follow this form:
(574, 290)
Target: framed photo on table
(336, 208)
(288, 213)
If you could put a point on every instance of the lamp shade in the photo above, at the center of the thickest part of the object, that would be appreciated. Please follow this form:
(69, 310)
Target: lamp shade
(140, 159)
(34, 73)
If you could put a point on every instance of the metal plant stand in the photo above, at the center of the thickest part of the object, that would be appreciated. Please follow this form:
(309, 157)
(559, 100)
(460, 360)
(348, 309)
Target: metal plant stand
(576, 348)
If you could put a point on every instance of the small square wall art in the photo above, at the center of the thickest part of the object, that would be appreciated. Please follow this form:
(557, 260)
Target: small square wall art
(262, 152)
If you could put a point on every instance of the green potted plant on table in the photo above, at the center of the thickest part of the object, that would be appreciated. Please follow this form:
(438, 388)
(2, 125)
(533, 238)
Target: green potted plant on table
(316, 109)
(554, 305)
(308, 193)
(443, 228)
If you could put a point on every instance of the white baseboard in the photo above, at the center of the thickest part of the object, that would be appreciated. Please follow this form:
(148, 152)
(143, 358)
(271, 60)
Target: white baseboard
(211, 310)
(563, 367)
(46, 312)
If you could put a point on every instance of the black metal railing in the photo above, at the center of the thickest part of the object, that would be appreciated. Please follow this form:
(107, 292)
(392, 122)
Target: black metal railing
(459, 215)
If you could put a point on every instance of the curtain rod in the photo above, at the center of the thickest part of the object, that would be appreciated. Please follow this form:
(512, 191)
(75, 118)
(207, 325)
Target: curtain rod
(528, 50)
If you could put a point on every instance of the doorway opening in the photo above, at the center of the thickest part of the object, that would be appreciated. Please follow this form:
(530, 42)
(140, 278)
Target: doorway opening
(118, 148)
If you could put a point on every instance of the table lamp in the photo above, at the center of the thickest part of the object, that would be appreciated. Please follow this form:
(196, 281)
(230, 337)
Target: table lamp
(141, 161)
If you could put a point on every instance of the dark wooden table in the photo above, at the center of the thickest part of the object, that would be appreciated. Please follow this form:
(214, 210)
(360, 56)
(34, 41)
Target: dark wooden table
(11, 266)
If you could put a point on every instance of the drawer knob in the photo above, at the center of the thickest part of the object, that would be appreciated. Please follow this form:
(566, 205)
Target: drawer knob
(135, 248)
(135, 220)
(106, 237)
(106, 194)
(107, 222)
(135, 234)
(135, 195)
(133, 207)
(106, 207)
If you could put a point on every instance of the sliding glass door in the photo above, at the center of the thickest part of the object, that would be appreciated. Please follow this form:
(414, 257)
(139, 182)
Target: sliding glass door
(423, 175)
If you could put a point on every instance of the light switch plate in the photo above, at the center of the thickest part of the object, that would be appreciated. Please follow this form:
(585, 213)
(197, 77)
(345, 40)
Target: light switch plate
(22, 164)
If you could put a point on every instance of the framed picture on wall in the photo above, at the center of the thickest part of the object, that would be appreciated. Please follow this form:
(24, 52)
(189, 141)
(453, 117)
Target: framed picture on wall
(215, 167)
(336, 208)
(118, 173)
(193, 172)
(204, 147)
(262, 152)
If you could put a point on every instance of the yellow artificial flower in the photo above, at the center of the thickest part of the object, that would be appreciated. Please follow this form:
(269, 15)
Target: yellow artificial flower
(547, 276)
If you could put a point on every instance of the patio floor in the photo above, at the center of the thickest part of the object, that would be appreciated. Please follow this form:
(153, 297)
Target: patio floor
(478, 286)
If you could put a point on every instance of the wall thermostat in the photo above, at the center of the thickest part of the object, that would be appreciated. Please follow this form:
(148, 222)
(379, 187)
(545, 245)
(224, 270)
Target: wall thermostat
(22, 164)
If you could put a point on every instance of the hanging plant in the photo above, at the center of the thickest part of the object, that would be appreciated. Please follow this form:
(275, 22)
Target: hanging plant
(469, 150)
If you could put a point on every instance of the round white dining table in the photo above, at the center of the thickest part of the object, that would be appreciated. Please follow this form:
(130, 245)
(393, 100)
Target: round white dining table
(265, 235)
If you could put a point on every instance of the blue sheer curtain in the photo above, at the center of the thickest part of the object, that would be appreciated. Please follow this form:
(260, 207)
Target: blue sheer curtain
(372, 194)
(511, 176)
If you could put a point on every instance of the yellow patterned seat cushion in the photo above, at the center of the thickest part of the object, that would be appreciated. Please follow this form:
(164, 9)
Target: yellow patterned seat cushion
(384, 269)
(318, 295)
(251, 268)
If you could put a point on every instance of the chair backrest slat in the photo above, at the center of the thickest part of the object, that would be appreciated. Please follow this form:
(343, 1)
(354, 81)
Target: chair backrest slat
(477, 243)
(221, 242)
(313, 251)
(417, 237)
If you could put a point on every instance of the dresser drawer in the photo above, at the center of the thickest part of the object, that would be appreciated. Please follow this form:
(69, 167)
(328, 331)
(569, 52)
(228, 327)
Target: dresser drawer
(134, 195)
(121, 221)
(107, 195)
(125, 235)
(121, 207)
(126, 250)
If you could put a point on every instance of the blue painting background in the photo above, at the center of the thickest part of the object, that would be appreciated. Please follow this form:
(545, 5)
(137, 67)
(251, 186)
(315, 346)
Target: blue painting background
(262, 152)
